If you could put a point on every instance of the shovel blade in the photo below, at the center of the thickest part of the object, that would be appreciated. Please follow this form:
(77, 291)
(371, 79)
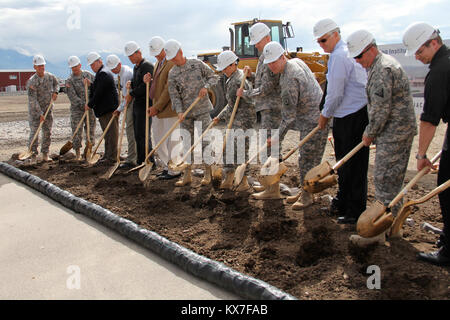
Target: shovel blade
(88, 151)
(374, 220)
(239, 174)
(399, 220)
(94, 159)
(271, 172)
(65, 148)
(25, 155)
(216, 172)
(112, 170)
(145, 171)
(320, 185)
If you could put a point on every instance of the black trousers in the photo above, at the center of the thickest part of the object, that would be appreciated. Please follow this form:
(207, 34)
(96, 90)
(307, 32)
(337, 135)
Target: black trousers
(444, 197)
(139, 133)
(352, 176)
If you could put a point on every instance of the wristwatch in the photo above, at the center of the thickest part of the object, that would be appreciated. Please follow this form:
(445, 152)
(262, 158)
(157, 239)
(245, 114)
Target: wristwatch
(419, 157)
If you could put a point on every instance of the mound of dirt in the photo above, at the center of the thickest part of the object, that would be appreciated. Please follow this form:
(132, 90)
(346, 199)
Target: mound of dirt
(305, 253)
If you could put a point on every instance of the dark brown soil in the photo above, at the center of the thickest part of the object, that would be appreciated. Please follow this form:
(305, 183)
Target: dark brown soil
(305, 253)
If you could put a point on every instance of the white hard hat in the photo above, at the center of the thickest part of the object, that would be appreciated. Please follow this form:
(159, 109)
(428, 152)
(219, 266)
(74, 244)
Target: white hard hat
(272, 51)
(73, 61)
(358, 41)
(112, 61)
(323, 27)
(38, 60)
(156, 45)
(92, 57)
(131, 47)
(416, 35)
(225, 59)
(171, 48)
(257, 32)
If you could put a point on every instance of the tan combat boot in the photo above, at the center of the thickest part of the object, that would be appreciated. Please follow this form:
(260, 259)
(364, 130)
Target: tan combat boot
(243, 186)
(45, 157)
(271, 192)
(207, 176)
(227, 183)
(362, 242)
(303, 202)
(259, 188)
(78, 154)
(187, 178)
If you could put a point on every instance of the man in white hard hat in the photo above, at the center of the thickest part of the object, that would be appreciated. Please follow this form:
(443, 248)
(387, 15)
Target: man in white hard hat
(103, 99)
(138, 92)
(189, 79)
(164, 117)
(244, 119)
(124, 74)
(424, 42)
(77, 97)
(266, 89)
(392, 121)
(300, 97)
(346, 103)
(42, 89)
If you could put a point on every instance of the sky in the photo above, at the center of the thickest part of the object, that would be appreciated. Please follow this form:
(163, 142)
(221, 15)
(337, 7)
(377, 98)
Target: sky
(58, 29)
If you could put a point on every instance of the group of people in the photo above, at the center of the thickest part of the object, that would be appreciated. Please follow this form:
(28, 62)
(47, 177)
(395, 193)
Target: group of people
(367, 96)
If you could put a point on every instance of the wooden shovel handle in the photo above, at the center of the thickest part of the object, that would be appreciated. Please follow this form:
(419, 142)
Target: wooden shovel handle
(197, 142)
(41, 124)
(122, 129)
(430, 195)
(233, 114)
(172, 129)
(348, 156)
(147, 104)
(104, 133)
(88, 131)
(256, 154)
(79, 125)
(413, 181)
(302, 142)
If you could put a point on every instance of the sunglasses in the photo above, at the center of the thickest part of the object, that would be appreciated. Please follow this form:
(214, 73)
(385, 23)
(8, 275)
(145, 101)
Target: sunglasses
(359, 56)
(323, 40)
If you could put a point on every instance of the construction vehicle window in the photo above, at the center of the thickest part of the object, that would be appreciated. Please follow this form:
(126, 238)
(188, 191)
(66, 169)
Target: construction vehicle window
(249, 50)
(238, 41)
(275, 32)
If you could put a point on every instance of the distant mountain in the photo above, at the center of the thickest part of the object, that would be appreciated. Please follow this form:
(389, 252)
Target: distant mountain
(11, 59)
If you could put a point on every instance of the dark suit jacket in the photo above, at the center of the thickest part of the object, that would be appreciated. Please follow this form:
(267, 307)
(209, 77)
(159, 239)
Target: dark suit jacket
(138, 87)
(103, 97)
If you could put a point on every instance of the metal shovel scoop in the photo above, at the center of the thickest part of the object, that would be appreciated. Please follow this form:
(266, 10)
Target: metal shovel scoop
(324, 175)
(95, 156)
(69, 144)
(148, 165)
(378, 218)
(26, 154)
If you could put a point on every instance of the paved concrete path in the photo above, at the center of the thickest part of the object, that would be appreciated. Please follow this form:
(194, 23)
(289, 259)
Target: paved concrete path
(50, 252)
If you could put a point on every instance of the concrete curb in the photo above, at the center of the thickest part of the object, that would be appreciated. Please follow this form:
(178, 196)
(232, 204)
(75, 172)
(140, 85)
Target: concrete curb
(197, 265)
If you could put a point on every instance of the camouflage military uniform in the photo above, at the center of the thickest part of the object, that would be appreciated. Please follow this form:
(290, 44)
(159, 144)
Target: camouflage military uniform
(75, 92)
(301, 95)
(266, 94)
(392, 125)
(244, 119)
(40, 91)
(185, 83)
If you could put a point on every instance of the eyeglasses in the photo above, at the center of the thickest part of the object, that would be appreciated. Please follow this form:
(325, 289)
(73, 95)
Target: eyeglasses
(422, 47)
(323, 40)
(359, 56)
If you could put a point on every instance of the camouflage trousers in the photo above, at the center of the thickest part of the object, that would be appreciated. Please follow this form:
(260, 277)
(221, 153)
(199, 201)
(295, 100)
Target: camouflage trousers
(270, 119)
(75, 116)
(46, 133)
(188, 126)
(311, 153)
(391, 162)
(237, 151)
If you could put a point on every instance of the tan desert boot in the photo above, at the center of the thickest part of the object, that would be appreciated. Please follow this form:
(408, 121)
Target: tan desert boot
(45, 157)
(304, 201)
(293, 199)
(362, 242)
(259, 188)
(272, 192)
(227, 183)
(243, 186)
(187, 178)
(207, 176)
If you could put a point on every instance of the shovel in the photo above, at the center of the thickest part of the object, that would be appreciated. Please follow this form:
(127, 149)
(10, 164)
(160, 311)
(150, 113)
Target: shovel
(379, 218)
(216, 170)
(268, 179)
(324, 175)
(88, 148)
(28, 153)
(181, 165)
(69, 144)
(407, 208)
(147, 88)
(147, 166)
(240, 171)
(95, 156)
(122, 130)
